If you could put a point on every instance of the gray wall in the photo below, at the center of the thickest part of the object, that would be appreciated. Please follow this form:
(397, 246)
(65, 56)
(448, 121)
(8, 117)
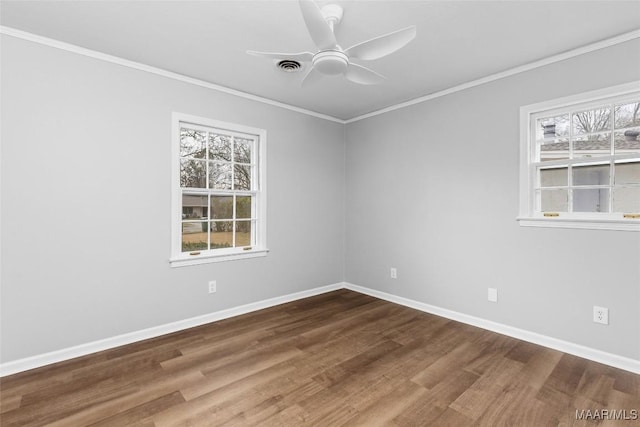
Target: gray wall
(432, 190)
(86, 197)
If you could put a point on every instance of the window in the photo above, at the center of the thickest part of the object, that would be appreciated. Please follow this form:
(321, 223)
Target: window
(218, 198)
(580, 161)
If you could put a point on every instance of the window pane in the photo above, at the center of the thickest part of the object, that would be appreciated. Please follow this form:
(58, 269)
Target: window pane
(221, 234)
(626, 199)
(591, 200)
(554, 200)
(242, 177)
(220, 176)
(627, 173)
(219, 147)
(243, 206)
(591, 175)
(193, 173)
(554, 149)
(222, 207)
(243, 233)
(194, 236)
(627, 115)
(192, 143)
(195, 207)
(242, 150)
(554, 177)
(590, 121)
(592, 145)
(627, 141)
(552, 127)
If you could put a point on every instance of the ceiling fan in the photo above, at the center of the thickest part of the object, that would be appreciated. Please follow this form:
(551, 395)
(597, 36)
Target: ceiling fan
(330, 58)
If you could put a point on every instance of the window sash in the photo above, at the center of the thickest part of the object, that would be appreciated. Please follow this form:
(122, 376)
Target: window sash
(531, 164)
(209, 220)
(256, 191)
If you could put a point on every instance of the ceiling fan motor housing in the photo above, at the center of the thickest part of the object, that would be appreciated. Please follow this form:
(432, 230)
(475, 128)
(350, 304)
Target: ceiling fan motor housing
(330, 62)
(331, 59)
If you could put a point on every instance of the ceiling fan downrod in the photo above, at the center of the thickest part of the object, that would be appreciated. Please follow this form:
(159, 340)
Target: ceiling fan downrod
(332, 13)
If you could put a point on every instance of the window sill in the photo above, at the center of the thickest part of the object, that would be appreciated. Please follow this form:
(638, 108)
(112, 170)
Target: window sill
(183, 261)
(581, 223)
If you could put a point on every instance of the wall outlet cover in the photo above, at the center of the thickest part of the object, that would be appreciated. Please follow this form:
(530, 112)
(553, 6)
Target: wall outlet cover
(601, 315)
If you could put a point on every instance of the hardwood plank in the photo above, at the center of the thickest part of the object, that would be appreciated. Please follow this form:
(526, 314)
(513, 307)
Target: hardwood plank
(625, 402)
(148, 390)
(523, 351)
(291, 416)
(336, 373)
(9, 403)
(59, 407)
(625, 383)
(232, 372)
(451, 417)
(258, 412)
(215, 349)
(538, 368)
(390, 404)
(486, 390)
(458, 356)
(516, 406)
(493, 350)
(222, 399)
(560, 387)
(289, 390)
(427, 410)
(596, 387)
(142, 413)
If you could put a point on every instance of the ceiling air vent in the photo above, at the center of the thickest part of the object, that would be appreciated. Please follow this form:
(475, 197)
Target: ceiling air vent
(289, 65)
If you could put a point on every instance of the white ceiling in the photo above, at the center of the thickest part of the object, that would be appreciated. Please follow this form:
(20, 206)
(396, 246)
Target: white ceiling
(457, 41)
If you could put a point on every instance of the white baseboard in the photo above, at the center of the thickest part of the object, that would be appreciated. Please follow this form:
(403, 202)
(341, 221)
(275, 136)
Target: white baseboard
(25, 364)
(600, 356)
(610, 359)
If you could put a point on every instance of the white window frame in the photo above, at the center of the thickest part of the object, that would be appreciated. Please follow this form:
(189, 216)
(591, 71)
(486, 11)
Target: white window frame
(259, 248)
(528, 216)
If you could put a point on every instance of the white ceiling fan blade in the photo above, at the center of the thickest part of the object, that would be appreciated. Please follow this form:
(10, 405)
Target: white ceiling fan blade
(362, 75)
(301, 56)
(383, 45)
(311, 77)
(319, 30)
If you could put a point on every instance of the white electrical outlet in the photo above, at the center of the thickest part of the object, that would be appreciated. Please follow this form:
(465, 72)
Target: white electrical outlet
(394, 273)
(492, 295)
(212, 287)
(601, 315)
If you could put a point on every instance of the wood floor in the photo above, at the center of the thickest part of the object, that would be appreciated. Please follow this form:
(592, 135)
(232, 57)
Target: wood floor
(340, 358)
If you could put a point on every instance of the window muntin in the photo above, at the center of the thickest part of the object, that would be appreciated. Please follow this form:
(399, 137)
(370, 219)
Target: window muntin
(583, 158)
(218, 191)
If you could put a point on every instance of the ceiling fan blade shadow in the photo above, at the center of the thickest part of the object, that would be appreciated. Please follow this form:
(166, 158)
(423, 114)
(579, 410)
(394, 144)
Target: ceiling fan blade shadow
(301, 56)
(382, 45)
(362, 75)
(311, 77)
(319, 30)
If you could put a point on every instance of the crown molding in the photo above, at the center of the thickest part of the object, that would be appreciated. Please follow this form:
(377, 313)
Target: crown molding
(157, 71)
(507, 73)
(180, 77)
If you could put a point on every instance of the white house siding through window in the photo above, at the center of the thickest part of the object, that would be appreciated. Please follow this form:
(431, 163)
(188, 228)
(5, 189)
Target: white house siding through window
(593, 160)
